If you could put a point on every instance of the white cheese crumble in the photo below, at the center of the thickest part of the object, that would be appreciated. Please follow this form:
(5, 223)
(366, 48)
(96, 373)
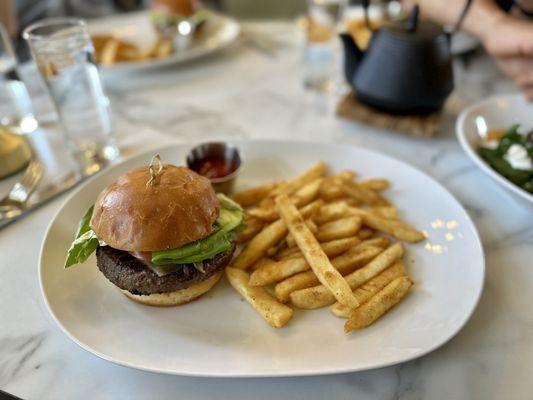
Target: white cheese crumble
(517, 156)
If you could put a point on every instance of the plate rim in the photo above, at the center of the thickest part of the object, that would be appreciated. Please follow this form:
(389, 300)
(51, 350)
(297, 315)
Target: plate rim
(469, 150)
(275, 374)
(172, 59)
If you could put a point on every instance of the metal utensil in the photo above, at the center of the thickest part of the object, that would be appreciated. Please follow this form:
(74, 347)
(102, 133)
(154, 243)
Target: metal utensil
(14, 203)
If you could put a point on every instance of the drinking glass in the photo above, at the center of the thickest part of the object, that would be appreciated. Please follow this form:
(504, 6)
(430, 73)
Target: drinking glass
(322, 46)
(15, 105)
(64, 54)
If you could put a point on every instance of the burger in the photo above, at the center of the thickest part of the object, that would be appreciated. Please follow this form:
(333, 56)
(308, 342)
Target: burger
(163, 237)
(167, 15)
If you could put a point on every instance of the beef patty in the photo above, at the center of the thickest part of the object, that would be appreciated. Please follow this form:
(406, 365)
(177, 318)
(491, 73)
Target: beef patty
(131, 274)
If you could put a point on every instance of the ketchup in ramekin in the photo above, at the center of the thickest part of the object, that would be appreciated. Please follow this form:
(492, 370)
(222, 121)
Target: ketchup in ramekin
(217, 161)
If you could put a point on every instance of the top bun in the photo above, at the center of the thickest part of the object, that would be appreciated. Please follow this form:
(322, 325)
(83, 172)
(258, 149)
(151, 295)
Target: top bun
(183, 8)
(178, 208)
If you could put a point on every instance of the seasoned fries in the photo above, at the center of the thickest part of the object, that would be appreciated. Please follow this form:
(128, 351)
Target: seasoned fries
(320, 296)
(396, 228)
(272, 311)
(314, 254)
(110, 50)
(268, 237)
(289, 187)
(251, 197)
(277, 271)
(301, 197)
(312, 227)
(319, 240)
(253, 226)
(379, 304)
(369, 289)
(345, 263)
(339, 229)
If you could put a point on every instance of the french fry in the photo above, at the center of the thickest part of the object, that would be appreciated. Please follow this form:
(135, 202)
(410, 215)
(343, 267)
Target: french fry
(272, 311)
(370, 288)
(312, 227)
(344, 263)
(320, 296)
(376, 266)
(331, 192)
(163, 48)
(261, 263)
(109, 52)
(389, 212)
(331, 212)
(291, 186)
(377, 185)
(253, 226)
(288, 252)
(250, 197)
(339, 229)
(365, 233)
(332, 248)
(382, 242)
(313, 253)
(268, 237)
(277, 271)
(363, 195)
(378, 305)
(282, 244)
(396, 228)
(296, 282)
(301, 197)
(331, 187)
(336, 247)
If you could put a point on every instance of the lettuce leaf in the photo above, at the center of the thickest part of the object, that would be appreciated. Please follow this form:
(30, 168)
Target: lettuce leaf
(229, 221)
(85, 243)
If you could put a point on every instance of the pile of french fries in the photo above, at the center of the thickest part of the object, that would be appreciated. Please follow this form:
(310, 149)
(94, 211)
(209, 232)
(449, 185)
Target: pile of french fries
(317, 241)
(110, 50)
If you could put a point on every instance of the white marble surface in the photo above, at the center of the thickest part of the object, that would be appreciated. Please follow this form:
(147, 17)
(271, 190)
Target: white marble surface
(245, 93)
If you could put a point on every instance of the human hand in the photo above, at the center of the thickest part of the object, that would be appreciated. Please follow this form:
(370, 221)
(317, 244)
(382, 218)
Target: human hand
(510, 41)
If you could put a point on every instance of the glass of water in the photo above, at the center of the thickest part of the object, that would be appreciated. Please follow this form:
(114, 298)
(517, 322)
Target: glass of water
(322, 45)
(64, 54)
(15, 105)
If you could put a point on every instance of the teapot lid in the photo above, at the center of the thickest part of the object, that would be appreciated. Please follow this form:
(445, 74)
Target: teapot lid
(424, 30)
(413, 29)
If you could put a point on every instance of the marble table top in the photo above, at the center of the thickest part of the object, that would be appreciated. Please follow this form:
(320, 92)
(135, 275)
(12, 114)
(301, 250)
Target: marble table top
(245, 92)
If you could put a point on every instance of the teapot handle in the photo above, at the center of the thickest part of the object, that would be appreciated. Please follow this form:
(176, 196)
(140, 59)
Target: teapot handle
(366, 5)
(462, 17)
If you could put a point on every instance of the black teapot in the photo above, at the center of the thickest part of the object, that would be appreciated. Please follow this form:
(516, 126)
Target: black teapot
(406, 69)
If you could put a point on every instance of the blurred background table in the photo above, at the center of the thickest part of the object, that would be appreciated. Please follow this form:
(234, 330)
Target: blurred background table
(246, 92)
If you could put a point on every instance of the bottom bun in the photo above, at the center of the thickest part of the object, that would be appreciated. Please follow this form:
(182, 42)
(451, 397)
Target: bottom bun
(179, 296)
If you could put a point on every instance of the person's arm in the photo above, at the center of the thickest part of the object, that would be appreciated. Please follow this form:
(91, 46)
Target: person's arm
(480, 17)
(8, 16)
(506, 38)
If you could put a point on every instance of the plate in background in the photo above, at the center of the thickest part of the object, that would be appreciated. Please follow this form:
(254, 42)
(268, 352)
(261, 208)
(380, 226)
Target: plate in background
(220, 335)
(218, 32)
(497, 112)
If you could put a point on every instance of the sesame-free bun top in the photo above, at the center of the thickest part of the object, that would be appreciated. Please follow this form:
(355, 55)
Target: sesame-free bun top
(179, 207)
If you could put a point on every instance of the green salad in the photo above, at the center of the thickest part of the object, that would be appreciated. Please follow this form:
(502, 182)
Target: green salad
(511, 154)
(230, 221)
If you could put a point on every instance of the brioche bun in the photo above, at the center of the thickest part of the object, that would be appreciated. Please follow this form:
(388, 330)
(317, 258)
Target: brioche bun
(178, 297)
(183, 8)
(178, 208)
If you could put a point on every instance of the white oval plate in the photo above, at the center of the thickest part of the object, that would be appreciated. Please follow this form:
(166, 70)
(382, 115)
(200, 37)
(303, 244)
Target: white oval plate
(497, 112)
(219, 31)
(220, 335)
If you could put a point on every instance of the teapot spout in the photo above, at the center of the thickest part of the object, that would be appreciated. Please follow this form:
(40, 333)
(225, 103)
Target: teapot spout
(352, 57)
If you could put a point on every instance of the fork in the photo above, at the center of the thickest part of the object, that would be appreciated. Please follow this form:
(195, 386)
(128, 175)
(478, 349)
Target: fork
(15, 201)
